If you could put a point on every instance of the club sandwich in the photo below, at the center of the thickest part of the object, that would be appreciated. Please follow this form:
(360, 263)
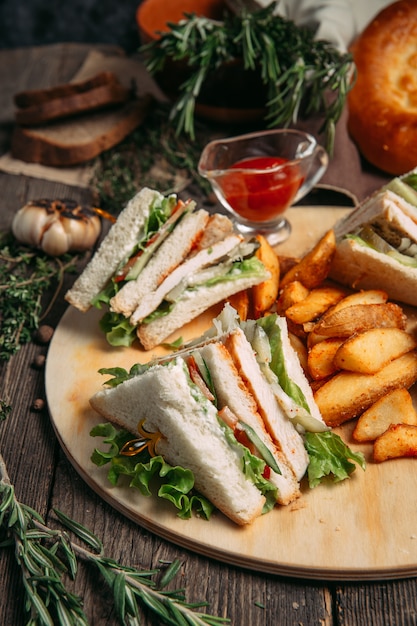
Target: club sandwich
(234, 408)
(377, 242)
(161, 265)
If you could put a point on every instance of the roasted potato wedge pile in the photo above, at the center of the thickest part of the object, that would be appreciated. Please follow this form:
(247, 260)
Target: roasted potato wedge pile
(354, 347)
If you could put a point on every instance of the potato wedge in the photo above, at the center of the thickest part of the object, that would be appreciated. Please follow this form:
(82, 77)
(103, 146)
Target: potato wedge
(370, 296)
(400, 440)
(360, 317)
(265, 294)
(313, 338)
(396, 407)
(348, 394)
(241, 302)
(371, 350)
(300, 349)
(297, 330)
(291, 294)
(314, 267)
(320, 360)
(317, 302)
(286, 263)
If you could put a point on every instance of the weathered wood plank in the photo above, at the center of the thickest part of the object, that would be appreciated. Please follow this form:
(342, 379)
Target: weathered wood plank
(44, 478)
(247, 598)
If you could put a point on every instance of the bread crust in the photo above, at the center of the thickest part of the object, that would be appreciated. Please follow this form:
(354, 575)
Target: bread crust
(100, 97)
(117, 245)
(36, 97)
(383, 102)
(361, 267)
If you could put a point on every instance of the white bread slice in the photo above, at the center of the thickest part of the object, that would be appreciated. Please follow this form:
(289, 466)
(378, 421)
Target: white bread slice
(280, 428)
(116, 246)
(361, 267)
(383, 203)
(191, 434)
(218, 228)
(169, 255)
(190, 306)
(203, 258)
(232, 392)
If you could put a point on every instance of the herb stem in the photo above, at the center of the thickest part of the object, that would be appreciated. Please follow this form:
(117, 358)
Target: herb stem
(49, 603)
(58, 288)
(26, 276)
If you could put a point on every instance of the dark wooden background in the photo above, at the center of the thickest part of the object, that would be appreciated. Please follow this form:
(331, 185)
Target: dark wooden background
(45, 479)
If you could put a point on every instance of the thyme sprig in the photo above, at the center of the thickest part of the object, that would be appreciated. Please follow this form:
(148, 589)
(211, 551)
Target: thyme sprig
(25, 276)
(46, 555)
(300, 74)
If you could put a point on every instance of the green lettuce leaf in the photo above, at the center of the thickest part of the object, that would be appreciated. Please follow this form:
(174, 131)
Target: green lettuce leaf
(119, 332)
(410, 179)
(120, 374)
(164, 309)
(102, 299)
(175, 484)
(277, 363)
(248, 267)
(330, 456)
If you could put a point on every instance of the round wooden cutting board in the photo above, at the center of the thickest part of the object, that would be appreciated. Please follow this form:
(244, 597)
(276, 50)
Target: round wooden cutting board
(362, 528)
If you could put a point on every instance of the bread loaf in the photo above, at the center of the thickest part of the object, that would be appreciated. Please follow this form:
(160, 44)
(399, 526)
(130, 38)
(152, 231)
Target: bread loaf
(383, 102)
(73, 141)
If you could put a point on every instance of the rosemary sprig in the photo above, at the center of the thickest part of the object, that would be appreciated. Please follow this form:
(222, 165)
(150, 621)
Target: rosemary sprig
(301, 75)
(25, 276)
(45, 555)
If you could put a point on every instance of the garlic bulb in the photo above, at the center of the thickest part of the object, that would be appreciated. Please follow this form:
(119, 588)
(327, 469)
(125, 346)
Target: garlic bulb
(56, 226)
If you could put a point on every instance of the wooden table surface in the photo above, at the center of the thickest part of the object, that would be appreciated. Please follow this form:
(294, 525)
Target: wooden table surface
(44, 478)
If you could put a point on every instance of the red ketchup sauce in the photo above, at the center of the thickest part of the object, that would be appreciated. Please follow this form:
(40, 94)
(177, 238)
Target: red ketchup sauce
(260, 197)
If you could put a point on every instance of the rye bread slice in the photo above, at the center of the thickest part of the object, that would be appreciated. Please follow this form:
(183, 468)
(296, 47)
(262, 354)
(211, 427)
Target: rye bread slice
(32, 97)
(79, 139)
(102, 91)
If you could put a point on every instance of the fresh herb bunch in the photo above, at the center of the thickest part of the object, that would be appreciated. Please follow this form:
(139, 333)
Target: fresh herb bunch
(46, 555)
(25, 275)
(302, 75)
